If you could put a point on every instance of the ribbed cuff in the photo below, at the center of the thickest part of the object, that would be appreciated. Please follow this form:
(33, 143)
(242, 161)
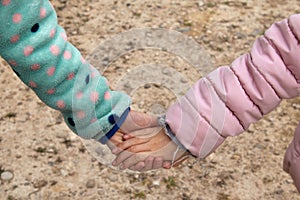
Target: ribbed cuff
(168, 131)
(116, 127)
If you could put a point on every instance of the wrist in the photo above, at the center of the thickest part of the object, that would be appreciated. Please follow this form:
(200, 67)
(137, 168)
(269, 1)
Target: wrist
(116, 127)
(168, 131)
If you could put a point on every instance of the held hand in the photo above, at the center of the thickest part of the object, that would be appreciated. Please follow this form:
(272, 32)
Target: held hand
(134, 122)
(146, 148)
(140, 125)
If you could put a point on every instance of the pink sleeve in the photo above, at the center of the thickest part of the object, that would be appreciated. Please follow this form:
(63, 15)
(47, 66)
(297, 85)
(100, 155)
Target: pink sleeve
(229, 99)
(291, 162)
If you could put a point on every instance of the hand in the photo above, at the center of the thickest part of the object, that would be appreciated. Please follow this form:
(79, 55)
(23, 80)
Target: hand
(145, 148)
(138, 124)
(134, 122)
(137, 120)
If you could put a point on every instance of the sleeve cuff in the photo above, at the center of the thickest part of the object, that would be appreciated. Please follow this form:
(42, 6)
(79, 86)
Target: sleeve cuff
(115, 128)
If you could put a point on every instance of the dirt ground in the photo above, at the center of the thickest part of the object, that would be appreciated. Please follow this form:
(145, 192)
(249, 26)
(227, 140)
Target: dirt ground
(42, 159)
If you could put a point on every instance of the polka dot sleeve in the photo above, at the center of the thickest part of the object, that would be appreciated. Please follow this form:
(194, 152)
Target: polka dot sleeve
(38, 51)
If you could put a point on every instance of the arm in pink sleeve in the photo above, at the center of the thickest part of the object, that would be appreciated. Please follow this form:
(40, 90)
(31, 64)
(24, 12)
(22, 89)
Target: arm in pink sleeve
(229, 99)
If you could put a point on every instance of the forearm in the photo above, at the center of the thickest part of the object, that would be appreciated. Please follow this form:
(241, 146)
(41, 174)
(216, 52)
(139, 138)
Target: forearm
(229, 99)
(37, 49)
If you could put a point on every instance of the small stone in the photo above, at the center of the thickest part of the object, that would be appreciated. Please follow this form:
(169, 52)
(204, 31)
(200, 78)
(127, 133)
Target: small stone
(40, 184)
(62, 134)
(183, 80)
(166, 71)
(147, 86)
(113, 178)
(64, 172)
(184, 30)
(156, 183)
(6, 176)
(91, 183)
(18, 156)
(200, 3)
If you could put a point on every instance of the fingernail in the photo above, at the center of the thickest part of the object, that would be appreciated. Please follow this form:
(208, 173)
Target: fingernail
(121, 167)
(114, 163)
(114, 151)
(167, 166)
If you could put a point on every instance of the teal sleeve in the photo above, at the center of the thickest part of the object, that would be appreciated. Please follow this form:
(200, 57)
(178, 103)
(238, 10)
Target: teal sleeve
(36, 48)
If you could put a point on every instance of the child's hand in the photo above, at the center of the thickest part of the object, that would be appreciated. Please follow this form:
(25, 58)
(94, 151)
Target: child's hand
(141, 125)
(137, 120)
(134, 122)
(142, 149)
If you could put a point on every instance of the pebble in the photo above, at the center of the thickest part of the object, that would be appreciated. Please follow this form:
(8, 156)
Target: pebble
(183, 80)
(62, 134)
(156, 182)
(6, 176)
(166, 71)
(200, 3)
(40, 184)
(113, 178)
(64, 172)
(91, 183)
(184, 30)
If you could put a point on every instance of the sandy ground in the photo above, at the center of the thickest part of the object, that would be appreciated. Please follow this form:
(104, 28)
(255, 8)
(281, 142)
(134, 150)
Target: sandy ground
(47, 161)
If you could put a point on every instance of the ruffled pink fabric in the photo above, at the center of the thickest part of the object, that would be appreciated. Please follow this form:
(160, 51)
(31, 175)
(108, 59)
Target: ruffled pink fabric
(229, 99)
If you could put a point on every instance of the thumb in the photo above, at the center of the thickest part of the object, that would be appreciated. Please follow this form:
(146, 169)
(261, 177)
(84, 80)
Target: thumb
(138, 120)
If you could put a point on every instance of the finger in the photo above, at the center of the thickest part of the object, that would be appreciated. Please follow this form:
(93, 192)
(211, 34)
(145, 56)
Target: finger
(121, 157)
(117, 138)
(167, 164)
(128, 136)
(138, 167)
(145, 132)
(137, 120)
(130, 145)
(112, 145)
(133, 160)
(148, 164)
(143, 120)
(158, 163)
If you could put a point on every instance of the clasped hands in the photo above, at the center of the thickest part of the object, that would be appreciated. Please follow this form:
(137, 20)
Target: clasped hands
(142, 145)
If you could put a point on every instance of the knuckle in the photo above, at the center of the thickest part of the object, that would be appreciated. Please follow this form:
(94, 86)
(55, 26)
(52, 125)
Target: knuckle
(132, 148)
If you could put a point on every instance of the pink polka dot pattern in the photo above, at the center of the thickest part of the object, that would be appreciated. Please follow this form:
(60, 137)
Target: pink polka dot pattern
(67, 55)
(64, 36)
(80, 114)
(52, 33)
(32, 84)
(15, 38)
(94, 96)
(35, 67)
(82, 60)
(93, 120)
(51, 91)
(5, 2)
(17, 18)
(43, 13)
(107, 96)
(70, 76)
(93, 74)
(79, 95)
(51, 71)
(28, 50)
(54, 50)
(60, 104)
(12, 63)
